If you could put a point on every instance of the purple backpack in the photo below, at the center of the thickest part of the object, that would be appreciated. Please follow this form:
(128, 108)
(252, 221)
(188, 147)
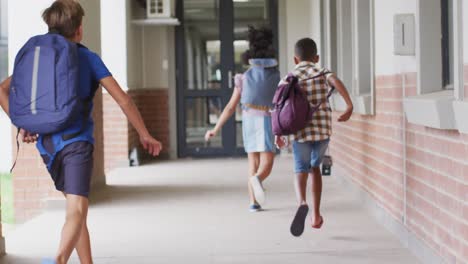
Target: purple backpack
(292, 110)
(44, 89)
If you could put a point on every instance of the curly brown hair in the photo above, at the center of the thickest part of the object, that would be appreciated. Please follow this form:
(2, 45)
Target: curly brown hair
(260, 44)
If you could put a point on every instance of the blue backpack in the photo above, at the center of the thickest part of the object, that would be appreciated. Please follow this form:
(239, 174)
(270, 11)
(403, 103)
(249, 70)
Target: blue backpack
(44, 88)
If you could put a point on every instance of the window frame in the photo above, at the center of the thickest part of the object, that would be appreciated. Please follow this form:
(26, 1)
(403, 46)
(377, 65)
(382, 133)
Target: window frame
(434, 106)
(428, 31)
(340, 34)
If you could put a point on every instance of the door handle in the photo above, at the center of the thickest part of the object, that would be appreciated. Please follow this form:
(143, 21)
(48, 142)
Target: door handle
(230, 80)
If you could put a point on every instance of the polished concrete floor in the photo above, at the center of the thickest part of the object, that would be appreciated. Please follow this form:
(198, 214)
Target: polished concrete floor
(195, 211)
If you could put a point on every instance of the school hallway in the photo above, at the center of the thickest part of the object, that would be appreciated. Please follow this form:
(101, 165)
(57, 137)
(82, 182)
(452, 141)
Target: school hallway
(195, 211)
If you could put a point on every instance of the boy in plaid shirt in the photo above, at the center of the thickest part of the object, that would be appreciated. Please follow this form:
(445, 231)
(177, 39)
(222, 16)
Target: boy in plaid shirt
(311, 143)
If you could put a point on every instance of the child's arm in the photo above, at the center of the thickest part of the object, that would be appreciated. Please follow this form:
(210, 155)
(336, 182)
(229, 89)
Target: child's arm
(150, 144)
(4, 93)
(228, 111)
(341, 88)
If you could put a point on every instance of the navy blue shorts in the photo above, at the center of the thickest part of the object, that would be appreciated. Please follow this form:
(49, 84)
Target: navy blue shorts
(72, 168)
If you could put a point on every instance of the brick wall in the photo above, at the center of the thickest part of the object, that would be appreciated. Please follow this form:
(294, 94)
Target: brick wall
(154, 107)
(372, 149)
(120, 137)
(115, 134)
(31, 183)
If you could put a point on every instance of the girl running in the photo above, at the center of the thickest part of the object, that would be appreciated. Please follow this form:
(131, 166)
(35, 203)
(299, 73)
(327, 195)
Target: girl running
(255, 90)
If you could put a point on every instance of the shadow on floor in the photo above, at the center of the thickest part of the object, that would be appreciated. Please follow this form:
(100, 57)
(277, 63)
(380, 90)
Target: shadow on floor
(11, 259)
(134, 194)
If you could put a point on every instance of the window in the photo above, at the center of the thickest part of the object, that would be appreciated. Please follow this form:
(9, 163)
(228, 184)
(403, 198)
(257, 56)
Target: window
(158, 8)
(347, 27)
(439, 56)
(439, 29)
(447, 43)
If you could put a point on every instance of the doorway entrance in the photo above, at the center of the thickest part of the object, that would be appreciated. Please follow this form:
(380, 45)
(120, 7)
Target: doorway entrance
(209, 45)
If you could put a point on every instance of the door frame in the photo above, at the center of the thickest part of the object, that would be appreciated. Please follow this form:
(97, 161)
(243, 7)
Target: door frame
(226, 34)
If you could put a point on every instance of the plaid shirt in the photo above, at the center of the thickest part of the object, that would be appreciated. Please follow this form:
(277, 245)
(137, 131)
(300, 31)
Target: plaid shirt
(320, 127)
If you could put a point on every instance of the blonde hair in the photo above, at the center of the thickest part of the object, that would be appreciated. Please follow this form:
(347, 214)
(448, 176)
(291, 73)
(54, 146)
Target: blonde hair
(64, 17)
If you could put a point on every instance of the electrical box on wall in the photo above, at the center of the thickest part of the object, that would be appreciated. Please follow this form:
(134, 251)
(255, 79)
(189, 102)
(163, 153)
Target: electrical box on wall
(404, 34)
(158, 8)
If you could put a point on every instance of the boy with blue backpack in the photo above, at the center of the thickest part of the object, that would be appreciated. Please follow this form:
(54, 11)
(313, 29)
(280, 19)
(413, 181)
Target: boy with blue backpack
(49, 97)
(309, 125)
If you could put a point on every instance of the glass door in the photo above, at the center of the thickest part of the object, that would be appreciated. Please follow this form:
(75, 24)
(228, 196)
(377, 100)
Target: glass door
(209, 45)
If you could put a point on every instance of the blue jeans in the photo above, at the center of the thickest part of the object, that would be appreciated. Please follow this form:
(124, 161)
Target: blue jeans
(309, 155)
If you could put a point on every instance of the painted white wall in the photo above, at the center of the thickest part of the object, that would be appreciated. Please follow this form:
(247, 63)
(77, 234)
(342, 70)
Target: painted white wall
(92, 25)
(114, 38)
(315, 23)
(297, 26)
(386, 63)
(148, 52)
(298, 20)
(154, 54)
(25, 23)
(465, 31)
(134, 51)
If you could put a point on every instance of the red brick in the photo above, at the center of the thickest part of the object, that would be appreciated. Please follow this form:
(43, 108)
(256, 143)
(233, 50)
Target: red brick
(384, 106)
(411, 91)
(388, 81)
(421, 220)
(411, 79)
(415, 228)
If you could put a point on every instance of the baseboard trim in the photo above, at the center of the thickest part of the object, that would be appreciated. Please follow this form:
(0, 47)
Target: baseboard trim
(417, 247)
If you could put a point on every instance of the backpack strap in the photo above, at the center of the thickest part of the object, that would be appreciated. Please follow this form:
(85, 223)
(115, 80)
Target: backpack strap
(317, 76)
(17, 150)
(317, 106)
(314, 108)
(86, 113)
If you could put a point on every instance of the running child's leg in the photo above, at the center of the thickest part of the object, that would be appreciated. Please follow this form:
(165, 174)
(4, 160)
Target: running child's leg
(83, 246)
(266, 165)
(77, 209)
(316, 195)
(254, 163)
(319, 149)
(302, 155)
(300, 185)
(263, 171)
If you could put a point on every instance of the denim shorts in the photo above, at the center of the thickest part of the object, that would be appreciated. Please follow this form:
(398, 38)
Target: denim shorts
(308, 155)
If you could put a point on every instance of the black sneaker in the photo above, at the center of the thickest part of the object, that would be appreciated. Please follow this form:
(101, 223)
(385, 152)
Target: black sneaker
(297, 226)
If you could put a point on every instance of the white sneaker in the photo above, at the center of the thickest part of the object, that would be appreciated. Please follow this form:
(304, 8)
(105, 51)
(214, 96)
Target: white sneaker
(257, 188)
